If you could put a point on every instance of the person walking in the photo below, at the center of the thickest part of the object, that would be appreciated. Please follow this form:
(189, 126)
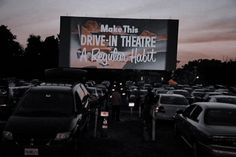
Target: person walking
(116, 102)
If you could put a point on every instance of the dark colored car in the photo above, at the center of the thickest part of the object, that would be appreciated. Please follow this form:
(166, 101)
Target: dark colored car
(47, 121)
(209, 128)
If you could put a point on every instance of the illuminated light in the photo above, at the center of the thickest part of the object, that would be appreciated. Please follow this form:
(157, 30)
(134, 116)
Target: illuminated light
(104, 114)
(3, 105)
(131, 104)
(7, 135)
(123, 94)
(121, 88)
(62, 136)
(121, 83)
(113, 90)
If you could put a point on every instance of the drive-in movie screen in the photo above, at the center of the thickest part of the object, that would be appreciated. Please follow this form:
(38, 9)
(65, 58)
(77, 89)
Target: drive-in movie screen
(114, 43)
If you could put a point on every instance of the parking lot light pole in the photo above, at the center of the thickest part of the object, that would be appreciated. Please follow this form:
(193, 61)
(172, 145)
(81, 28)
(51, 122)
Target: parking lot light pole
(139, 111)
(153, 125)
(96, 123)
(131, 106)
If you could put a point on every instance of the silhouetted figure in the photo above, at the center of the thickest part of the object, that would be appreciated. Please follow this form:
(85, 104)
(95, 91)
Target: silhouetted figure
(116, 102)
(149, 101)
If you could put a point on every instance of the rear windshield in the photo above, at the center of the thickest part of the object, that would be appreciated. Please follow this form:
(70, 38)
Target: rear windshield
(46, 103)
(225, 117)
(172, 100)
(184, 93)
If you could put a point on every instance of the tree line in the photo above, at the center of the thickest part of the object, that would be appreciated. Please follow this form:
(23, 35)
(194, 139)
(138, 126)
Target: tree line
(15, 61)
(31, 62)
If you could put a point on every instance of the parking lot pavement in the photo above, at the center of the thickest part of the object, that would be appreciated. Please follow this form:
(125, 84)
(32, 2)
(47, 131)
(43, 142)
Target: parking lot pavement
(125, 139)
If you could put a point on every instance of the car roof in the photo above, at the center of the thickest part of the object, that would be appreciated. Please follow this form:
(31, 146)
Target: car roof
(171, 95)
(181, 90)
(223, 96)
(213, 105)
(53, 87)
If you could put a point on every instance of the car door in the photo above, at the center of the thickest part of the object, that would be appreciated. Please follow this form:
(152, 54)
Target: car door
(192, 125)
(183, 124)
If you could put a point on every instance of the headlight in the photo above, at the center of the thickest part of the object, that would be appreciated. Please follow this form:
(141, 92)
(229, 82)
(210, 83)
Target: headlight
(7, 135)
(62, 136)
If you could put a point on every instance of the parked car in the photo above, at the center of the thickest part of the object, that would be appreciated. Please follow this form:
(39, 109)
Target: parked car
(208, 128)
(182, 92)
(231, 99)
(168, 104)
(198, 95)
(48, 120)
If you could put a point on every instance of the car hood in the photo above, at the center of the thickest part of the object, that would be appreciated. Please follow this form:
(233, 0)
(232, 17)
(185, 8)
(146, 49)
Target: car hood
(39, 125)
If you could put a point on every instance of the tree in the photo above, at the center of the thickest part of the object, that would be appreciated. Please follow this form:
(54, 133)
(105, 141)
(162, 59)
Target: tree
(50, 52)
(10, 50)
(209, 72)
(34, 46)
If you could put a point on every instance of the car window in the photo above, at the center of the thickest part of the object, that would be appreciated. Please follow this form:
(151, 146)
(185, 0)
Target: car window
(225, 117)
(195, 113)
(84, 89)
(188, 110)
(81, 93)
(171, 100)
(78, 103)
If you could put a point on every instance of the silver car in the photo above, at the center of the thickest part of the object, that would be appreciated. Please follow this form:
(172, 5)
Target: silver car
(168, 104)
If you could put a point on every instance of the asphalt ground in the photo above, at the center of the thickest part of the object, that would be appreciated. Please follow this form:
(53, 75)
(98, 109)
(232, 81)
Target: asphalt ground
(127, 138)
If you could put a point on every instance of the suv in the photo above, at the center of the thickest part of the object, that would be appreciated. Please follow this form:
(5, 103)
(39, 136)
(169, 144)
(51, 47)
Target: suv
(47, 120)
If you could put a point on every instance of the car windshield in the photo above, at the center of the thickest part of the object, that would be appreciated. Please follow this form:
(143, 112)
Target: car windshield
(225, 117)
(46, 103)
(172, 100)
(226, 100)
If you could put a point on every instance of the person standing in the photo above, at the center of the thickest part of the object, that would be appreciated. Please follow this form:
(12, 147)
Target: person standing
(149, 101)
(116, 102)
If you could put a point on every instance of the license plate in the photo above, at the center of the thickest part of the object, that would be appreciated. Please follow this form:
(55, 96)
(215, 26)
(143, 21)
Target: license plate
(31, 151)
(104, 114)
